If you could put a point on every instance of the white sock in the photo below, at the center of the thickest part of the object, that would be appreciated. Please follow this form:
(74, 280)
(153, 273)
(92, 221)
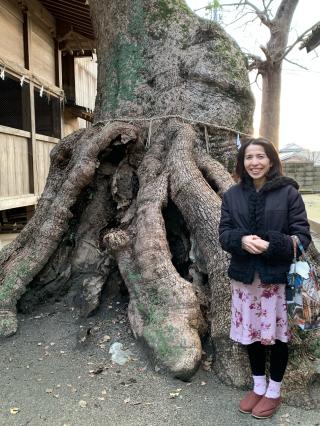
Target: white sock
(260, 385)
(273, 390)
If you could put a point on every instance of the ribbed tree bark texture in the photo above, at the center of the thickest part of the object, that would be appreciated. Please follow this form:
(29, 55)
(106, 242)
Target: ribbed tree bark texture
(135, 200)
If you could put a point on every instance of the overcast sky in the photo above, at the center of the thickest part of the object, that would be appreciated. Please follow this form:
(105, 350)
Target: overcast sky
(300, 100)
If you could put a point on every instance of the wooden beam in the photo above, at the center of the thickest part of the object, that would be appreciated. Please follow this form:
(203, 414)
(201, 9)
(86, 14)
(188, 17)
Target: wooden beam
(14, 132)
(26, 40)
(7, 203)
(56, 64)
(33, 145)
(68, 10)
(75, 4)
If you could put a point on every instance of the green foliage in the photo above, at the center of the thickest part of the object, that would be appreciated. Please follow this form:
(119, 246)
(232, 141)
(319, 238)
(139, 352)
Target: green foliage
(167, 8)
(215, 4)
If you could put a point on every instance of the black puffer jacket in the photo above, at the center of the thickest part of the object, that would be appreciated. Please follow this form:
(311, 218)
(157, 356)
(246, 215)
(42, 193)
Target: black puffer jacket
(274, 213)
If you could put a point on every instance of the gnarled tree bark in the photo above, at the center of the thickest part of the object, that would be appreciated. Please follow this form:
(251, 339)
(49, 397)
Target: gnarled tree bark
(136, 199)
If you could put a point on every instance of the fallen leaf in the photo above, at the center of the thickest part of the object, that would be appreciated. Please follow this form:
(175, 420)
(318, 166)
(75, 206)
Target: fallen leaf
(14, 410)
(83, 404)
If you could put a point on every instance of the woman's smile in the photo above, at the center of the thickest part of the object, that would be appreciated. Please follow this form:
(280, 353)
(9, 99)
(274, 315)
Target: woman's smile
(257, 164)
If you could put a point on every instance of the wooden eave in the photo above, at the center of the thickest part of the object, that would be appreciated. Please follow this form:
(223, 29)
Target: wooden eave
(74, 14)
(313, 41)
(80, 111)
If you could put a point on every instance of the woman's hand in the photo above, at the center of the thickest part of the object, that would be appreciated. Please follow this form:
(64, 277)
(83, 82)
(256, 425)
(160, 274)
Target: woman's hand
(254, 244)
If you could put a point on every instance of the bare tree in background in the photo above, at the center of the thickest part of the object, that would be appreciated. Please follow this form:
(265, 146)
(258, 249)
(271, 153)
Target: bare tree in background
(277, 17)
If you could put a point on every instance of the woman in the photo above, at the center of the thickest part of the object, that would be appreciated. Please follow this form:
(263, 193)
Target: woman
(258, 217)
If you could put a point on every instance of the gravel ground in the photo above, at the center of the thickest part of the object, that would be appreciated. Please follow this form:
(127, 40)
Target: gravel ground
(54, 372)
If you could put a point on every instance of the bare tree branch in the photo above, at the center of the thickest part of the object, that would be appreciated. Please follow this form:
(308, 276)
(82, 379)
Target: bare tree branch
(295, 63)
(256, 81)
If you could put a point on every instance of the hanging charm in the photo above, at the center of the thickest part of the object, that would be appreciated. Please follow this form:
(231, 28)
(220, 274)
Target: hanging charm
(238, 142)
(206, 136)
(149, 135)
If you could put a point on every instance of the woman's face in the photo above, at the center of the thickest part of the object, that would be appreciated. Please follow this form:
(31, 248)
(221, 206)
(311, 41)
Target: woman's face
(256, 163)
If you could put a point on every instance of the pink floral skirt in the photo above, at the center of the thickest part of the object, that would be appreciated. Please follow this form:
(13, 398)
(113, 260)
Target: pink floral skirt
(259, 313)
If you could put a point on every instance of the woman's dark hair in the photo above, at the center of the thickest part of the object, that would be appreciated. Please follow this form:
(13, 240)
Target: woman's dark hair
(271, 152)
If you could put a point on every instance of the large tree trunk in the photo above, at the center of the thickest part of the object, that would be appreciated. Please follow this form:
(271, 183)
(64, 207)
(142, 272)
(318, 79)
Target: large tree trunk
(271, 69)
(137, 197)
(270, 105)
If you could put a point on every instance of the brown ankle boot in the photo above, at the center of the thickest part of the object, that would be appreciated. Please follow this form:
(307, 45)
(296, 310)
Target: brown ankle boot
(266, 407)
(248, 403)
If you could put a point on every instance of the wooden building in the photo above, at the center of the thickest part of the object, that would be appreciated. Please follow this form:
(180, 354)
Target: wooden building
(48, 75)
(313, 41)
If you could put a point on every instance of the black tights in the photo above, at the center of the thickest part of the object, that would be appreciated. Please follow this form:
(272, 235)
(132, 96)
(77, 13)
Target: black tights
(278, 359)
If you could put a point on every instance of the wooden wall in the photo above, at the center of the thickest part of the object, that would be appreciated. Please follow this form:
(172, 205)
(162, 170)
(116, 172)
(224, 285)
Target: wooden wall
(43, 148)
(42, 56)
(85, 70)
(25, 156)
(14, 170)
(11, 32)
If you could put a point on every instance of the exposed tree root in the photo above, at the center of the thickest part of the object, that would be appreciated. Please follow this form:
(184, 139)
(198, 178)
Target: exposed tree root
(167, 311)
(74, 163)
